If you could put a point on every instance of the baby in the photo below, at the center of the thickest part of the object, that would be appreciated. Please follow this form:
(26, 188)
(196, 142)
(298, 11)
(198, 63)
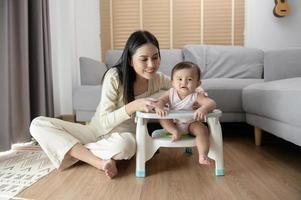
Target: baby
(185, 78)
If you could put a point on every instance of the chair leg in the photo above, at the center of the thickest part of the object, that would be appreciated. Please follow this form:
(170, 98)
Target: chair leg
(217, 145)
(141, 149)
(140, 167)
(219, 162)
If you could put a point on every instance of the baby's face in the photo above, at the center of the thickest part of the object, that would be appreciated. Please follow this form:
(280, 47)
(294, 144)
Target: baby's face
(185, 81)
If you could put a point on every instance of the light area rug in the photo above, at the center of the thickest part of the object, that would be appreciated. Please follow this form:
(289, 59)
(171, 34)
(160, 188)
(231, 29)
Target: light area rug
(20, 169)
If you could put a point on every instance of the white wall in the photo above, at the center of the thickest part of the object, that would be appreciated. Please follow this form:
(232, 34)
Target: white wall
(88, 28)
(264, 30)
(75, 32)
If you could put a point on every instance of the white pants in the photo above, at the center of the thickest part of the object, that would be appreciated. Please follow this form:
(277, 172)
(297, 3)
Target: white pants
(56, 137)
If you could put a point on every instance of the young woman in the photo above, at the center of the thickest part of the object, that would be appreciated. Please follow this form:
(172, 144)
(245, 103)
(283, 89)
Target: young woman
(110, 134)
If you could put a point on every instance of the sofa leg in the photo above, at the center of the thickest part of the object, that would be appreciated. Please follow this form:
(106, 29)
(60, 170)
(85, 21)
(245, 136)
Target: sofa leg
(258, 136)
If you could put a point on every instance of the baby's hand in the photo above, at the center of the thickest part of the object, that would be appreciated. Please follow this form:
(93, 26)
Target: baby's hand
(159, 108)
(161, 112)
(200, 114)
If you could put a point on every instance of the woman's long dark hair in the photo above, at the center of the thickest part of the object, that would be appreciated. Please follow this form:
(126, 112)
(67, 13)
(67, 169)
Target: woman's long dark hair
(126, 73)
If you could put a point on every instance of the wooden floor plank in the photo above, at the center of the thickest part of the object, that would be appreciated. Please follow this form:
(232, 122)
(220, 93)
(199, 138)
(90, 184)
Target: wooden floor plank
(271, 171)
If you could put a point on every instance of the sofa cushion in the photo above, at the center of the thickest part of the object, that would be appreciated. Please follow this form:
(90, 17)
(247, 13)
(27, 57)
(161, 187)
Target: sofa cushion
(216, 61)
(91, 71)
(227, 92)
(169, 58)
(112, 57)
(278, 100)
(282, 64)
(86, 97)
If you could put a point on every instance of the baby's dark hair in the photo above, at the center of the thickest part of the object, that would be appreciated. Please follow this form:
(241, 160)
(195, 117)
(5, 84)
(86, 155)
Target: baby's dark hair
(186, 65)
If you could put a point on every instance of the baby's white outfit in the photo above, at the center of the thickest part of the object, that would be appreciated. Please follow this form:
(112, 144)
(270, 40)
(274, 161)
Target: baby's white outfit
(175, 103)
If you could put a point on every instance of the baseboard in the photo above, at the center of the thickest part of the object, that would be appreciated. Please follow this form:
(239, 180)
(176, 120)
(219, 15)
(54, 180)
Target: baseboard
(29, 146)
(69, 118)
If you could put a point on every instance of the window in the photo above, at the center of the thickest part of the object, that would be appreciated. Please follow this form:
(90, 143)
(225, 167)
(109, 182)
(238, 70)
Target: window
(174, 22)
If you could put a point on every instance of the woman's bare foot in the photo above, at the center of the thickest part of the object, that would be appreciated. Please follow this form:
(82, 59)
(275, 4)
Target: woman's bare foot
(205, 160)
(109, 167)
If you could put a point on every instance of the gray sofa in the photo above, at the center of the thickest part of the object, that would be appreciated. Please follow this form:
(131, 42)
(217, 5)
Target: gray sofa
(275, 104)
(226, 70)
(227, 73)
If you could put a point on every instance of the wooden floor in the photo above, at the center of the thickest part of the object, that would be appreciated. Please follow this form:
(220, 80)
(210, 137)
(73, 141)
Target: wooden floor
(272, 171)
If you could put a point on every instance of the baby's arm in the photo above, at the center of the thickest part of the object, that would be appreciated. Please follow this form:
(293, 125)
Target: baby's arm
(167, 124)
(162, 101)
(201, 90)
(206, 105)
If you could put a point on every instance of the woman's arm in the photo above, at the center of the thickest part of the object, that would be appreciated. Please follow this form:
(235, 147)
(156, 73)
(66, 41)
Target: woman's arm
(112, 106)
(111, 110)
(143, 104)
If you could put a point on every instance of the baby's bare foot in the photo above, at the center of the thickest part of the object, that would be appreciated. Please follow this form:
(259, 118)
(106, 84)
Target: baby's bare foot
(109, 167)
(175, 137)
(205, 160)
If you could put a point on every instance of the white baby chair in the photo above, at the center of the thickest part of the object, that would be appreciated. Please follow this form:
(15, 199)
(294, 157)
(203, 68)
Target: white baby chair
(147, 145)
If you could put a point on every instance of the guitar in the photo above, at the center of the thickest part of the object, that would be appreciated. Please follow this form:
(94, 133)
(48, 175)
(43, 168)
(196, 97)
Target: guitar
(281, 8)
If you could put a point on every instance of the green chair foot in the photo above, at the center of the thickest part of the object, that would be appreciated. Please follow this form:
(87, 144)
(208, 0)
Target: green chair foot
(140, 174)
(219, 172)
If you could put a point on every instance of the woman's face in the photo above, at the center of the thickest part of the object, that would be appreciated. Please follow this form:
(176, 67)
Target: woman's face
(146, 61)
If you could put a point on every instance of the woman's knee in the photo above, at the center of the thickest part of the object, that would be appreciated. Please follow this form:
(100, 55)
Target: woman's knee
(36, 125)
(126, 146)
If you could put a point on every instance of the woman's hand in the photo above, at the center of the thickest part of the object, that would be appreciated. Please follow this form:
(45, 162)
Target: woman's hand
(143, 105)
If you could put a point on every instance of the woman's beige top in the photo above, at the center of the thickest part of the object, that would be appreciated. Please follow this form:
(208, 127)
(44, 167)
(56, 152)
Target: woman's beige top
(111, 115)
